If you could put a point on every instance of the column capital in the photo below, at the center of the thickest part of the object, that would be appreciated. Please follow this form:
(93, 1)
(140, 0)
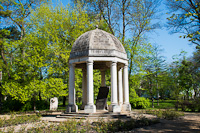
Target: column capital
(89, 61)
(126, 65)
(113, 63)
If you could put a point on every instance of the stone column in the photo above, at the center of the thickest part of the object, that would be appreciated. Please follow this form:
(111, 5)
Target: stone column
(90, 107)
(114, 107)
(84, 88)
(103, 79)
(72, 107)
(126, 105)
(120, 88)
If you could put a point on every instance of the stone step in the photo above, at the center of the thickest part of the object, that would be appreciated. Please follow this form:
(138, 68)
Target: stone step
(94, 115)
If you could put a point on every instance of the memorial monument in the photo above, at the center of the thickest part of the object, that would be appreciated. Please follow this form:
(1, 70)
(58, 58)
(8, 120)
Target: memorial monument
(97, 49)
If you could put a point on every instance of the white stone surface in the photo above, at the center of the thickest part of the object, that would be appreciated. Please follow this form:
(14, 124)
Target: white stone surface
(54, 104)
(126, 87)
(97, 43)
(114, 108)
(90, 91)
(90, 50)
(71, 84)
(72, 108)
(90, 109)
(114, 83)
(126, 107)
(120, 87)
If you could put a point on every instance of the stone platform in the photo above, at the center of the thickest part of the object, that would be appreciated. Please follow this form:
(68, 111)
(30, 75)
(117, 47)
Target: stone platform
(100, 114)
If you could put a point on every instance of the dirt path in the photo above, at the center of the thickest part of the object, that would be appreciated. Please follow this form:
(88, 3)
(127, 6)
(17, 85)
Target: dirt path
(190, 122)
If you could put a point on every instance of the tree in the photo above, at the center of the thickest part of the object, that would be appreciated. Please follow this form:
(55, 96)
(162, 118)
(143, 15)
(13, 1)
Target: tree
(185, 18)
(49, 37)
(154, 69)
(185, 77)
(195, 59)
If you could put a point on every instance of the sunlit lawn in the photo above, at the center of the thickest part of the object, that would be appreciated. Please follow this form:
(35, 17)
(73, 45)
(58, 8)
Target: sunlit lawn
(165, 104)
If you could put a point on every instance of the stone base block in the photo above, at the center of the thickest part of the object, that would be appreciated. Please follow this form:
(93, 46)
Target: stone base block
(72, 108)
(126, 107)
(90, 109)
(114, 108)
(83, 106)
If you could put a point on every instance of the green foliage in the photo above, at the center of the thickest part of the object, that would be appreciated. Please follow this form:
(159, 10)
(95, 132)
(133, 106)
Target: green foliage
(37, 65)
(185, 18)
(165, 104)
(189, 105)
(139, 103)
(15, 105)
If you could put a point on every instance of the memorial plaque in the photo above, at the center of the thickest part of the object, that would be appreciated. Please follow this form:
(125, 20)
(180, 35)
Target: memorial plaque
(101, 101)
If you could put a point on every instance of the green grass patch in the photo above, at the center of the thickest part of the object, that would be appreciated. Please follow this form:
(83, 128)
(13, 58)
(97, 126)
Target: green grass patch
(164, 104)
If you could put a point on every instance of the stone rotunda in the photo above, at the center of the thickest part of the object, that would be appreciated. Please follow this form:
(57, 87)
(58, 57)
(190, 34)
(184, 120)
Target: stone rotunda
(97, 49)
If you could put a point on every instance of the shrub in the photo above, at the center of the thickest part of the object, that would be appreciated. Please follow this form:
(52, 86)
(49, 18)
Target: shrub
(139, 103)
(165, 114)
(192, 105)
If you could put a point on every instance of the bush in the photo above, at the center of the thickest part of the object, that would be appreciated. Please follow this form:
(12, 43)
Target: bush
(139, 103)
(192, 105)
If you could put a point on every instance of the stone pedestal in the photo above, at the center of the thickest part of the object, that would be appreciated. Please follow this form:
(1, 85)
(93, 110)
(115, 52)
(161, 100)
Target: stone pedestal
(72, 108)
(90, 109)
(54, 104)
(114, 108)
(126, 107)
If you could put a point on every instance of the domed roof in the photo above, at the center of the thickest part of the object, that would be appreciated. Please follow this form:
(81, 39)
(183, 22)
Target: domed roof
(97, 43)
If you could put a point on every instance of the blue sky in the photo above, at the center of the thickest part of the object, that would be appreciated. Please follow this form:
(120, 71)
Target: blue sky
(171, 43)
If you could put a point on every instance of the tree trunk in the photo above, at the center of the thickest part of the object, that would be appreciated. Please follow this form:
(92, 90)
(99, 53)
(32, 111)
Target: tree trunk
(34, 104)
(124, 26)
(152, 100)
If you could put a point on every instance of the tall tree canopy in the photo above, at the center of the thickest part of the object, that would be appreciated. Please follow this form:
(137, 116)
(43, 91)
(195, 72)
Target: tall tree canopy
(50, 34)
(185, 18)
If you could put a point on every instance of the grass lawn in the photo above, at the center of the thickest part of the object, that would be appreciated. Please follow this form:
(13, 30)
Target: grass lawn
(164, 104)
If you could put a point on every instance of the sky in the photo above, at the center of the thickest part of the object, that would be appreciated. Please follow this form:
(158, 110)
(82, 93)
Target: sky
(171, 43)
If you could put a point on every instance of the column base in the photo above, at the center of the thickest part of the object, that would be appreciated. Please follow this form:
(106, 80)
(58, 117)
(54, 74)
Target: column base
(90, 109)
(114, 108)
(72, 108)
(83, 106)
(126, 107)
